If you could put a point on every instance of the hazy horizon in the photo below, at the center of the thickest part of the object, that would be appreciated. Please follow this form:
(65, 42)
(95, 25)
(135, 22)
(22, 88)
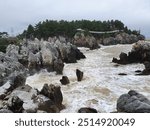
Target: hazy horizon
(16, 15)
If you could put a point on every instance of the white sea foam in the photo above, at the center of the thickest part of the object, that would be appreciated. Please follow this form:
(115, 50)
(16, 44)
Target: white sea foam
(101, 85)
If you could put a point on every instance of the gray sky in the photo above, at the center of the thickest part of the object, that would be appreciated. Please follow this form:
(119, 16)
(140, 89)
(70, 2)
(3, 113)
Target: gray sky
(16, 15)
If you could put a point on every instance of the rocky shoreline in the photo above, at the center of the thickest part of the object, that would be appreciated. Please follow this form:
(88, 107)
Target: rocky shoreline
(31, 56)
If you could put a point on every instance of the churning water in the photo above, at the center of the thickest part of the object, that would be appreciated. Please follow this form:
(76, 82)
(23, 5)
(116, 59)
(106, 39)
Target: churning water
(101, 85)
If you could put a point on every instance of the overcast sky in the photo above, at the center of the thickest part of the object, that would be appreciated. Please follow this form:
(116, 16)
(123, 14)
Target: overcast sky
(16, 15)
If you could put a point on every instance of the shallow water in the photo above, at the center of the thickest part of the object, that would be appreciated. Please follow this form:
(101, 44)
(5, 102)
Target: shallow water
(101, 85)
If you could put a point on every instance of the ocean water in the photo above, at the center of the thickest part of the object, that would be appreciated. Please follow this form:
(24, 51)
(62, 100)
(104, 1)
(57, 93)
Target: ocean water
(101, 85)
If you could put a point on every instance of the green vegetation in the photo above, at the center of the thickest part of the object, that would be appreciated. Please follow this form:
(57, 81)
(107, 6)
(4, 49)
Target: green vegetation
(49, 28)
(4, 42)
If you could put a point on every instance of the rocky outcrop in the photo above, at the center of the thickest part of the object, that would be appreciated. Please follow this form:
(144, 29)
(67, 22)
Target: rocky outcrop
(15, 80)
(133, 102)
(82, 40)
(32, 56)
(25, 99)
(139, 54)
(54, 94)
(122, 38)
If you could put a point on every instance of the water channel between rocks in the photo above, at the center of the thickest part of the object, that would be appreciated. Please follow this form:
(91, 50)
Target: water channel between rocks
(101, 85)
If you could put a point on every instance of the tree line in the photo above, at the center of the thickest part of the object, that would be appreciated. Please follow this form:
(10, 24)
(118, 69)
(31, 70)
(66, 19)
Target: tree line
(50, 28)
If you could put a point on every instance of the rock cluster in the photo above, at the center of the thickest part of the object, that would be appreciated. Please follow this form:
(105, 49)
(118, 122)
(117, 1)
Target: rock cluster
(25, 99)
(82, 40)
(140, 53)
(32, 56)
(122, 38)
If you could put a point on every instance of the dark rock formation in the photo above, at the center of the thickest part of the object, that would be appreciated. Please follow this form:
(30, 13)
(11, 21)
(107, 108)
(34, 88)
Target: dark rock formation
(64, 80)
(122, 74)
(29, 100)
(139, 54)
(79, 74)
(87, 110)
(146, 71)
(54, 93)
(133, 102)
(15, 104)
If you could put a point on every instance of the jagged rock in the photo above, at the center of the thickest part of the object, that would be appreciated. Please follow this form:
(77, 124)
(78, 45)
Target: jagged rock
(15, 104)
(64, 80)
(82, 40)
(45, 104)
(87, 110)
(58, 66)
(27, 95)
(79, 74)
(133, 102)
(54, 93)
(139, 54)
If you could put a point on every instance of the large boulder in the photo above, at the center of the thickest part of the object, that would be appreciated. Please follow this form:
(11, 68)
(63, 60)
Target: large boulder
(133, 102)
(54, 93)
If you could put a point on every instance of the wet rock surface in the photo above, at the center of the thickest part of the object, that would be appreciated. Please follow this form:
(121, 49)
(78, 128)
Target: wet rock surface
(140, 53)
(133, 102)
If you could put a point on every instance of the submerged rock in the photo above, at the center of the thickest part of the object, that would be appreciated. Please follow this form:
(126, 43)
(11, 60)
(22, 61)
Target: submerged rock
(133, 102)
(87, 110)
(64, 80)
